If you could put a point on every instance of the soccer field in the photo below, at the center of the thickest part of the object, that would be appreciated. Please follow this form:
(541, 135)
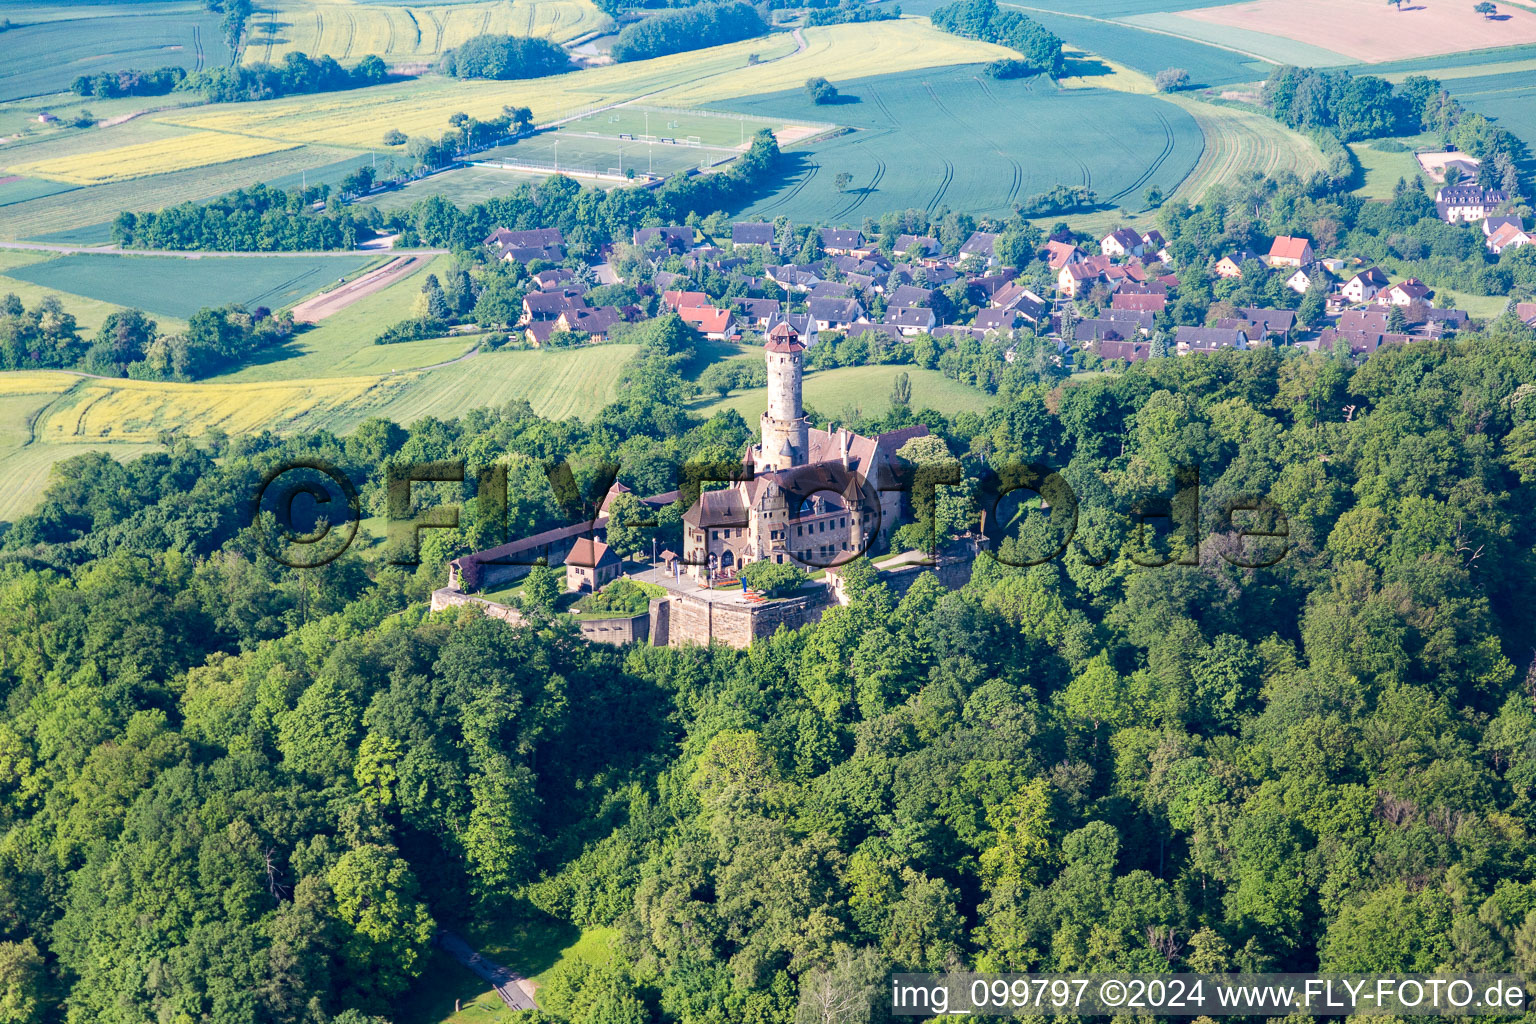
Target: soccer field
(579, 153)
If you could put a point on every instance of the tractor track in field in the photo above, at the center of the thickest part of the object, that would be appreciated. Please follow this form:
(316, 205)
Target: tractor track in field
(864, 193)
(389, 43)
(271, 34)
(938, 197)
(197, 42)
(1168, 144)
(1018, 168)
(786, 197)
(351, 24)
(437, 44)
(417, 26)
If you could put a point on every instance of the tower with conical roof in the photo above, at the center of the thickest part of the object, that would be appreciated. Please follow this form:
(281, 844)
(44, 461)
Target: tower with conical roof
(785, 430)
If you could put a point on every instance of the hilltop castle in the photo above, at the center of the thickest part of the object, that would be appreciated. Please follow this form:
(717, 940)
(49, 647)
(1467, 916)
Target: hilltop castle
(815, 497)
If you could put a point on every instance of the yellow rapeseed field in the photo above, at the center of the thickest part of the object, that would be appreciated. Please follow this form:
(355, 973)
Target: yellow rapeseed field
(350, 31)
(840, 53)
(128, 410)
(195, 149)
(360, 117)
(35, 382)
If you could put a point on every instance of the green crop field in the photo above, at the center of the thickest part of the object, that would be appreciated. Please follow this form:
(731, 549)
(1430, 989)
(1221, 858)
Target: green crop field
(1148, 51)
(1238, 140)
(952, 137)
(15, 189)
(45, 56)
(1509, 99)
(1449, 61)
(178, 287)
(1260, 44)
(88, 313)
(867, 389)
(84, 215)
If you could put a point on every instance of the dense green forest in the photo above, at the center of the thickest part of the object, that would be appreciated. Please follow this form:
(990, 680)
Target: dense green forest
(690, 28)
(236, 792)
(982, 19)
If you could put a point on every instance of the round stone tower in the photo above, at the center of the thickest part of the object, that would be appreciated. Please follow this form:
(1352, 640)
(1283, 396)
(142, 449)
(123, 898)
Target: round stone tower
(785, 430)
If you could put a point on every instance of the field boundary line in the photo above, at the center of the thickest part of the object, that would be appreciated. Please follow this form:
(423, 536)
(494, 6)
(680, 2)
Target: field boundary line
(1139, 28)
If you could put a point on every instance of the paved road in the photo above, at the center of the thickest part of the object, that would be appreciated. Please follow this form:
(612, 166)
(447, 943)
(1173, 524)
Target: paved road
(504, 981)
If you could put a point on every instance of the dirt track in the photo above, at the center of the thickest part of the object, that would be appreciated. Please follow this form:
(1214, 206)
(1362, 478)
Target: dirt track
(312, 311)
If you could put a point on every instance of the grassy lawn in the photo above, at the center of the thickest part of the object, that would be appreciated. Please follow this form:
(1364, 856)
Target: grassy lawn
(526, 940)
(865, 389)
(1382, 170)
(342, 344)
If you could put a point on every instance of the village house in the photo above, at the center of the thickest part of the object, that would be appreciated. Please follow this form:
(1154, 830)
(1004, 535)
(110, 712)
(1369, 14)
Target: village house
(911, 320)
(910, 295)
(1466, 203)
(1306, 277)
(675, 300)
(1364, 321)
(1275, 323)
(1505, 233)
(983, 244)
(752, 233)
(1093, 330)
(1130, 351)
(595, 323)
(1231, 265)
(839, 242)
(1290, 251)
(1154, 243)
(675, 237)
(794, 277)
(1059, 254)
(526, 246)
(1526, 311)
(555, 280)
(835, 314)
(915, 246)
(1209, 339)
(756, 312)
(590, 566)
(713, 323)
(1141, 320)
(549, 305)
(1122, 242)
(1405, 293)
(1151, 302)
(1366, 285)
(998, 319)
(1014, 295)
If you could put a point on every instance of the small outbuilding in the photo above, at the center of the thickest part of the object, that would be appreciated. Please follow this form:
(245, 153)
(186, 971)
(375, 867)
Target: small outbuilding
(590, 566)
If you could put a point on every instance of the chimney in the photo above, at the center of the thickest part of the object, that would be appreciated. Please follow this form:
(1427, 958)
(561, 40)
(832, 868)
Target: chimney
(842, 437)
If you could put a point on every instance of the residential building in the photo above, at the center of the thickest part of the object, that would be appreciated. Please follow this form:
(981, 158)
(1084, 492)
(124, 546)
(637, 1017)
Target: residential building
(1122, 242)
(1290, 251)
(713, 323)
(752, 233)
(1231, 265)
(911, 320)
(835, 314)
(1366, 285)
(840, 242)
(1466, 203)
(1209, 339)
